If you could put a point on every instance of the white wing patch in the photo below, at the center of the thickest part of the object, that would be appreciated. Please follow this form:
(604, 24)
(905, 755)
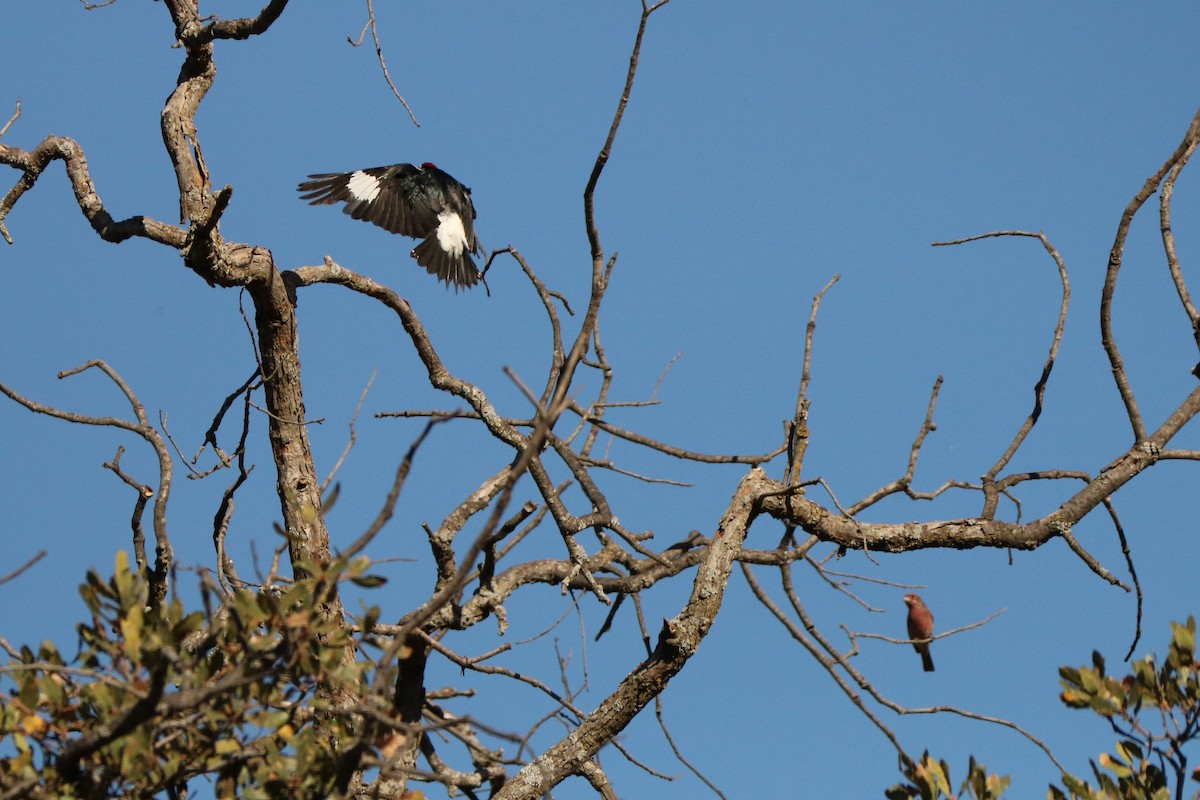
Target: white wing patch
(363, 186)
(450, 233)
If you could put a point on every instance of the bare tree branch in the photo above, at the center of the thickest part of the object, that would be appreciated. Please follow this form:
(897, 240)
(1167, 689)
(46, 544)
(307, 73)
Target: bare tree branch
(144, 493)
(243, 28)
(677, 642)
(15, 116)
(671, 450)
(353, 436)
(904, 482)
(797, 439)
(378, 709)
(61, 148)
(143, 428)
(374, 28)
(38, 556)
(991, 496)
(1168, 236)
(1116, 258)
(662, 724)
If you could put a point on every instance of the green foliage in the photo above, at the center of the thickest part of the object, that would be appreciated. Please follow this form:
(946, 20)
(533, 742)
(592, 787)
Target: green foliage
(247, 693)
(253, 692)
(1155, 711)
(930, 780)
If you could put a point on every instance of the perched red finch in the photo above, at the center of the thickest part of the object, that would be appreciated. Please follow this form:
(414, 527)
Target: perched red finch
(920, 626)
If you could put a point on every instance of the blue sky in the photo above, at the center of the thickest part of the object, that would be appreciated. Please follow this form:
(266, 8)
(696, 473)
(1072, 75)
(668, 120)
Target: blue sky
(767, 147)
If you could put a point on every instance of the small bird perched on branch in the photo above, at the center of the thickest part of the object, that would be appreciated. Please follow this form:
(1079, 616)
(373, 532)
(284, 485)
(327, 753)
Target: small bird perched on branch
(920, 626)
(422, 202)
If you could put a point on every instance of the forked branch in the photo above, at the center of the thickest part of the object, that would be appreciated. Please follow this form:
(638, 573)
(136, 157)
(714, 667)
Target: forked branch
(991, 495)
(1116, 258)
(143, 428)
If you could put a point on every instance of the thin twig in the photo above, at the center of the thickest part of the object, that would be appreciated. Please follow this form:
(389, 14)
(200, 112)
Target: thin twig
(248, 386)
(991, 497)
(662, 724)
(353, 437)
(228, 571)
(1115, 259)
(904, 483)
(828, 657)
(144, 493)
(1168, 238)
(379, 55)
(462, 662)
(389, 504)
(38, 556)
(671, 450)
(143, 428)
(15, 116)
(881, 637)
(1087, 558)
(797, 441)
(1137, 584)
(841, 659)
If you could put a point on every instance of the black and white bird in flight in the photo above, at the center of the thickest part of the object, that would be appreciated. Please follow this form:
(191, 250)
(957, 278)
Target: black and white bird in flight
(422, 202)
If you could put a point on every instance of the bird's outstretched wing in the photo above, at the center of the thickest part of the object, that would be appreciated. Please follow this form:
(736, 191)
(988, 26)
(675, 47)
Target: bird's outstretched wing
(422, 202)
